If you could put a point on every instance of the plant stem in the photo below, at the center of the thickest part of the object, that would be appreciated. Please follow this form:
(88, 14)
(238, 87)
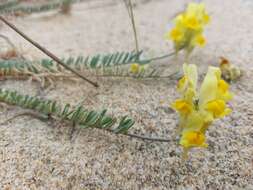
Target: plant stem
(56, 59)
(146, 138)
(160, 57)
(129, 7)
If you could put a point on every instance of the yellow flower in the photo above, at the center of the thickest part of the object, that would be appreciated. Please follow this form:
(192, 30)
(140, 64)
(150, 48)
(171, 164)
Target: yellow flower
(134, 68)
(214, 93)
(199, 108)
(176, 34)
(190, 139)
(206, 18)
(218, 108)
(223, 90)
(182, 106)
(223, 86)
(200, 40)
(192, 23)
(198, 9)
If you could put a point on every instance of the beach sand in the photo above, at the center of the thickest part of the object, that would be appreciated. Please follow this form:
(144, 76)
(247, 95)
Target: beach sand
(40, 155)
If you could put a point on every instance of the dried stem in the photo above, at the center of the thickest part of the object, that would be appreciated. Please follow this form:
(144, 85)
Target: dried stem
(129, 7)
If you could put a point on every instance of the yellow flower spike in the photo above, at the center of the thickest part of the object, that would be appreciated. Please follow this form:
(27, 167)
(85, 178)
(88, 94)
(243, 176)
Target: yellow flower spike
(182, 106)
(188, 30)
(134, 68)
(190, 139)
(199, 110)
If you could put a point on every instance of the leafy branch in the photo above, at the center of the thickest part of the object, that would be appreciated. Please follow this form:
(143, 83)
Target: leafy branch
(99, 61)
(129, 7)
(77, 115)
(101, 65)
(107, 65)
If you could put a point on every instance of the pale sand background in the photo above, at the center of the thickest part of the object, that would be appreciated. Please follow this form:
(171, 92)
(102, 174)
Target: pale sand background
(36, 155)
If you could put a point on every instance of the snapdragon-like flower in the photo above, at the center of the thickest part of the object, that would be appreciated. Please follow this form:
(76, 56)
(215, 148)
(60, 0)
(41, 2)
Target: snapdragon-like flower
(187, 32)
(199, 108)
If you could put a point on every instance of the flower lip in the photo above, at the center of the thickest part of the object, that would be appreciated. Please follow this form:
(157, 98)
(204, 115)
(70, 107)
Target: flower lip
(192, 139)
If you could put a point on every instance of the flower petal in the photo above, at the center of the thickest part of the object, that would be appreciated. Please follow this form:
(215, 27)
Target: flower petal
(209, 87)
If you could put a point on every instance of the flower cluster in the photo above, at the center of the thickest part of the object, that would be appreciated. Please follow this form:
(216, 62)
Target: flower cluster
(198, 109)
(188, 30)
(136, 68)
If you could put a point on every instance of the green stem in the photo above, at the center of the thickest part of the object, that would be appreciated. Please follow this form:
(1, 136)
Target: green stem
(160, 57)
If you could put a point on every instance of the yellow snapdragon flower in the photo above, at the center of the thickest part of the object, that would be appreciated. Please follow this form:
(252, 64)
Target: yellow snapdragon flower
(199, 108)
(182, 107)
(187, 32)
(218, 108)
(191, 139)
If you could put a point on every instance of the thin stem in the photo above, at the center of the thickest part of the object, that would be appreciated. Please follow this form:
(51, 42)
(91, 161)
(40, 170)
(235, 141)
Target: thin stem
(129, 7)
(134, 26)
(39, 116)
(160, 57)
(128, 11)
(56, 59)
(134, 77)
(146, 138)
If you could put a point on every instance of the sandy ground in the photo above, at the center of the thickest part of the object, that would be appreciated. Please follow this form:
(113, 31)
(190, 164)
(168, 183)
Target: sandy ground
(37, 155)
